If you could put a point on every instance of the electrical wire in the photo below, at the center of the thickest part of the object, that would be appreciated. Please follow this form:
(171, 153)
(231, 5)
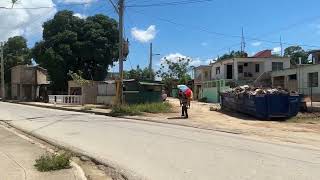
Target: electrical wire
(204, 29)
(44, 7)
(173, 3)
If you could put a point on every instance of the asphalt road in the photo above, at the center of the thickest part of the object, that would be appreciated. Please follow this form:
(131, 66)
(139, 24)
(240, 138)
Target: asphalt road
(167, 152)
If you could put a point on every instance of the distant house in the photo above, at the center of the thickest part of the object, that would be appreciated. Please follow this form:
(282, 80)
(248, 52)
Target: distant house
(29, 83)
(303, 78)
(201, 74)
(248, 69)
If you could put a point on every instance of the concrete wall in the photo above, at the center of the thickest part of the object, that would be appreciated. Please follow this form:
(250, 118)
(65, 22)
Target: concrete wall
(107, 100)
(15, 75)
(89, 91)
(41, 77)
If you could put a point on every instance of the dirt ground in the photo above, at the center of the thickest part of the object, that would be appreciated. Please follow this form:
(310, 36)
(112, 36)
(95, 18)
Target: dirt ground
(303, 129)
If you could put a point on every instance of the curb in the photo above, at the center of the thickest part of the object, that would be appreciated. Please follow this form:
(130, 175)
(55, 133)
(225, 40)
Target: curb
(62, 108)
(130, 118)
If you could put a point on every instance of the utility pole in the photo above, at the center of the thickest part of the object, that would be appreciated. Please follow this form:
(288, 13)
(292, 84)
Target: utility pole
(150, 62)
(2, 72)
(243, 43)
(121, 12)
(281, 46)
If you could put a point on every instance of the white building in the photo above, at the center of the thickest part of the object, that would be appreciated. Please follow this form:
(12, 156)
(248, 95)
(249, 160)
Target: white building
(304, 79)
(249, 68)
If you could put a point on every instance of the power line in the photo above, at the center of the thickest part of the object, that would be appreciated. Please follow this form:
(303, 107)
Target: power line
(43, 7)
(173, 3)
(204, 29)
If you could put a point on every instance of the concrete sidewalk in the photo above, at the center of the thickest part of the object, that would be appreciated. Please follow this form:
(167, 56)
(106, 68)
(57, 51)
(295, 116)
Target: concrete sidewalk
(17, 158)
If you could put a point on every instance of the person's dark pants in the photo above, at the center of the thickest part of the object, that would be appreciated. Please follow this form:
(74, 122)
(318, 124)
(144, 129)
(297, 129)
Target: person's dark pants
(184, 111)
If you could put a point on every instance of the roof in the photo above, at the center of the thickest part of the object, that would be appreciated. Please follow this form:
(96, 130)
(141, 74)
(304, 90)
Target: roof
(150, 84)
(263, 54)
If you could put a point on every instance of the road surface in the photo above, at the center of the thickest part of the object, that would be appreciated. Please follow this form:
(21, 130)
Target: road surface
(167, 152)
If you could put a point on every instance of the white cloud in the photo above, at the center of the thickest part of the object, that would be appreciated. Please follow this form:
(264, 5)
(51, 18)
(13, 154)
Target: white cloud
(174, 57)
(81, 16)
(26, 22)
(256, 43)
(204, 44)
(276, 50)
(144, 36)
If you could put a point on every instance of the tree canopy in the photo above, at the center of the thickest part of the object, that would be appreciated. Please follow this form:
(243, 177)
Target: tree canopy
(15, 52)
(139, 74)
(171, 71)
(294, 52)
(232, 54)
(73, 44)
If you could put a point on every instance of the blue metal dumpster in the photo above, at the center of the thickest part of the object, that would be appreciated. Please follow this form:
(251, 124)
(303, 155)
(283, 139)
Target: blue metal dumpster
(264, 106)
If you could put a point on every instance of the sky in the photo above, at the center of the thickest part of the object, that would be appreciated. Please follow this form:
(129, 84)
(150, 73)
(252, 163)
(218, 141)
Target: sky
(201, 30)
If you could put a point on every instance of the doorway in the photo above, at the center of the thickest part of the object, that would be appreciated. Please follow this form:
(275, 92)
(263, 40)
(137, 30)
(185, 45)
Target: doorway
(229, 72)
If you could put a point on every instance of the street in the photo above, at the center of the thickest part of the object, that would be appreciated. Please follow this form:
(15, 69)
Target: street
(159, 151)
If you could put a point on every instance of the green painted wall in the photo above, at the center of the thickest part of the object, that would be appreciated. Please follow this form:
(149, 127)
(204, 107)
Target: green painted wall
(211, 90)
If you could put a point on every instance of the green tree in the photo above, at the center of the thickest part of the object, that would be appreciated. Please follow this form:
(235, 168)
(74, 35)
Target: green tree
(295, 52)
(232, 54)
(72, 44)
(139, 74)
(15, 52)
(171, 71)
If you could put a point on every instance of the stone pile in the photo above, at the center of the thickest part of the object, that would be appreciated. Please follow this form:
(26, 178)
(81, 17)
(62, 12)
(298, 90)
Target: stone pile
(249, 90)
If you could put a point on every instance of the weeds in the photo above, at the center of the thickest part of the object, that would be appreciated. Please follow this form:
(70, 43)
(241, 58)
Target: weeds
(87, 107)
(138, 109)
(53, 162)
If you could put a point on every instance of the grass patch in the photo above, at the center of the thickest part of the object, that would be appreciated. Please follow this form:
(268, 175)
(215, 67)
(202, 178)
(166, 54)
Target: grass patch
(138, 109)
(53, 162)
(87, 107)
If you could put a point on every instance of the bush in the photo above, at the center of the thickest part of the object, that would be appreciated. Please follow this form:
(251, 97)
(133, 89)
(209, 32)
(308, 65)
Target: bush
(138, 109)
(53, 162)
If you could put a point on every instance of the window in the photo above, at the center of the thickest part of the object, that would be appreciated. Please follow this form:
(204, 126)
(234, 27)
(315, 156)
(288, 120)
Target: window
(245, 64)
(313, 79)
(257, 68)
(240, 69)
(277, 66)
(217, 70)
(293, 77)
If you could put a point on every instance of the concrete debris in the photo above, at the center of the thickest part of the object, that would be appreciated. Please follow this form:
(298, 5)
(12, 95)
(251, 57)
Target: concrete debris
(248, 90)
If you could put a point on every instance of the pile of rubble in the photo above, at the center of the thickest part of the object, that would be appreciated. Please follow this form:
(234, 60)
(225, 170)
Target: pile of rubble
(247, 90)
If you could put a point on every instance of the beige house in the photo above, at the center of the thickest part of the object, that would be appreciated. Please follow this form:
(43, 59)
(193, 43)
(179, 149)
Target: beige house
(201, 74)
(28, 83)
(248, 69)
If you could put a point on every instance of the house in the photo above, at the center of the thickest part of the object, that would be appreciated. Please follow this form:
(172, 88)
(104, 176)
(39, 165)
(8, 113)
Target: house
(201, 74)
(29, 83)
(246, 70)
(303, 78)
